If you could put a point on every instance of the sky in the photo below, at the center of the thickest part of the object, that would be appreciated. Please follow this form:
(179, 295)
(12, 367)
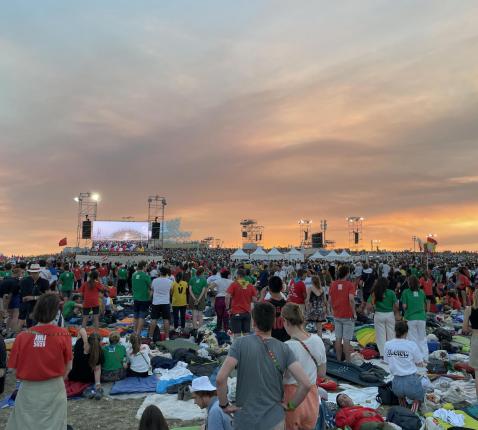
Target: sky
(272, 110)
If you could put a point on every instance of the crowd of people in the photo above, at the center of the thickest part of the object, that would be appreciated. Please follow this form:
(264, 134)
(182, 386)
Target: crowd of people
(274, 312)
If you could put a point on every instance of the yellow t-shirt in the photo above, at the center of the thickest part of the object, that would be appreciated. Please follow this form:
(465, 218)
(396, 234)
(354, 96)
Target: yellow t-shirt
(180, 293)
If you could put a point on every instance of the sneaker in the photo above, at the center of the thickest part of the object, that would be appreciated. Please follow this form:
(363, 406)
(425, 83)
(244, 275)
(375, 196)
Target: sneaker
(89, 393)
(99, 393)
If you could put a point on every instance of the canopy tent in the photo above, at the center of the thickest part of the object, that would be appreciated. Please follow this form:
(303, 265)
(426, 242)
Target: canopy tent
(294, 255)
(275, 254)
(345, 256)
(318, 256)
(239, 255)
(258, 254)
(332, 256)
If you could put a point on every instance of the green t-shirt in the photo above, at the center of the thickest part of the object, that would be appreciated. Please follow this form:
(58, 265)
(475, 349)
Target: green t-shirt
(141, 284)
(122, 273)
(114, 357)
(250, 279)
(197, 284)
(416, 305)
(67, 280)
(2, 274)
(386, 305)
(68, 309)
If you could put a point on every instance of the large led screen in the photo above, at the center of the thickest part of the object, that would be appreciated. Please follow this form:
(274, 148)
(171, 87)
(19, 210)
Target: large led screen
(120, 230)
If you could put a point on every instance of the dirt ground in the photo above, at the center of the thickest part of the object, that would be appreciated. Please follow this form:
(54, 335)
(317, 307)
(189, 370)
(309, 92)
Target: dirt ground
(87, 414)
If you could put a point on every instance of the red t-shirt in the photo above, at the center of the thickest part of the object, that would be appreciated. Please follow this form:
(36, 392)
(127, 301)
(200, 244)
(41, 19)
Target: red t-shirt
(103, 271)
(339, 292)
(464, 281)
(427, 286)
(355, 416)
(112, 292)
(241, 293)
(42, 356)
(77, 273)
(297, 293)
(91, 296)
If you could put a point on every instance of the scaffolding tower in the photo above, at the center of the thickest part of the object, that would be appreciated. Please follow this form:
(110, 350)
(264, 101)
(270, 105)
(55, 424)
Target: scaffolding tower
(156, 207)
(305, 227)
(87, 211)
(355, 231)
(251, 232)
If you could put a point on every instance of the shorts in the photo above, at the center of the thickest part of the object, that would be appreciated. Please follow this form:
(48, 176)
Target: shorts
(409, 386)
(200, 306)
(14, 302)
(344, 328)
(430, 298)
(240, 323)
(141, 308)
(161, 311)
(91, 311)
(66, 293)
(113, 375)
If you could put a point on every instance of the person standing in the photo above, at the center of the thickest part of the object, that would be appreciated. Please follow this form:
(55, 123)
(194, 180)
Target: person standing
(316, 305)
(426, 282)
(403, 356)
(78, 273)
(42, 358)
(470, 324)
(221, 286)
(141, 285)
(90, 291)
(309, 350)
(414, 304)
(161, 302)
(385, 303)
(276, 299)
(66, 281)
(197, 293)
(179, 301)
(122, 280)
(298, 291)
(342, 300)
(31, 288)
(260, 389)
(239, 297)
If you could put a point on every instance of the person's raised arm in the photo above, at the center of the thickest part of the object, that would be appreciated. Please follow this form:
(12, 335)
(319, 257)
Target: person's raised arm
(303, 385)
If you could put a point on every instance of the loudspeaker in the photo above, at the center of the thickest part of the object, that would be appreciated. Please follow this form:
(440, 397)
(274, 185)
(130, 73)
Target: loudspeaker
(356, 237)
(317, 240)
(306, 235)
(244, 234)
(86, 230)
(155, 230)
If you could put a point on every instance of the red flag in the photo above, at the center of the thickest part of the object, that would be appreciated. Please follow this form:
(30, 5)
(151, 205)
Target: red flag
(62, 242)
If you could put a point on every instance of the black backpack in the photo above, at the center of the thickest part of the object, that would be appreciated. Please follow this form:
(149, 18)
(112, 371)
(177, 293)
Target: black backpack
(404, 418)
(386, 396)
(443, 334)
(436, 366)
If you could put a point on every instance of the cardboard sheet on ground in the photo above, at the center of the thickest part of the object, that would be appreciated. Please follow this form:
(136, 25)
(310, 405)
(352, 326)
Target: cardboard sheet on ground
(363, 396)
(172, 408)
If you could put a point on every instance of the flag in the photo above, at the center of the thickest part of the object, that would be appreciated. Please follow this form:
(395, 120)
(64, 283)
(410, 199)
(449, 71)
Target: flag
(62, 242)
(430, 245)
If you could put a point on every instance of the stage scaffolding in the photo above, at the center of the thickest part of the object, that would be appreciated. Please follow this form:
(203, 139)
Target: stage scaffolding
(355, 231)
(156, 207)
(251, 232)
(87, 211)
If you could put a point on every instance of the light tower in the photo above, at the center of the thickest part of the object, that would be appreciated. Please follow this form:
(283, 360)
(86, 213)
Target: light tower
(156, 206)
(305, 227)
(355, 229)
(87, 211)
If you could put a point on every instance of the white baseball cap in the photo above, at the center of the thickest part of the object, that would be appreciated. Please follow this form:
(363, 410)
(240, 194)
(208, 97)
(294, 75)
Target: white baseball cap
(202, 384)
(34, 268)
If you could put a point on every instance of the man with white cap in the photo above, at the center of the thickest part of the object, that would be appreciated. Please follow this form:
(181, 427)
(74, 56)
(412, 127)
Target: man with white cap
(31, 288)
(205, 396)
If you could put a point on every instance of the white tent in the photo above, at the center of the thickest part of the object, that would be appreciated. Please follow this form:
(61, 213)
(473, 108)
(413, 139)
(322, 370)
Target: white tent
(294, 255)
(239, 255)
(318, 256)
(259, 254)
(345, 256)
(332, 256)
(275, 254)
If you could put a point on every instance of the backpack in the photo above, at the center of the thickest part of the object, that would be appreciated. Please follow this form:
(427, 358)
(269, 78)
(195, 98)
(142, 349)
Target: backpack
(443, 334)
(386, 396)
(436, 366)
(404, 418)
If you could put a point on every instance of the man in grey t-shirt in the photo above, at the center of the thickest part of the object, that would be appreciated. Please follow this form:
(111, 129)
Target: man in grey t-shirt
(261, 363)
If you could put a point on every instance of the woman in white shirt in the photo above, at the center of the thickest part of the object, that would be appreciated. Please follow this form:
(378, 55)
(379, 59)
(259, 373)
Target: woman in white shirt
(139, 358)
(310, 352)
(221, 285)
(403, 356)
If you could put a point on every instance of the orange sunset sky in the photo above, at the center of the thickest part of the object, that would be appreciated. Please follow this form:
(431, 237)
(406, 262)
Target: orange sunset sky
(273, 110)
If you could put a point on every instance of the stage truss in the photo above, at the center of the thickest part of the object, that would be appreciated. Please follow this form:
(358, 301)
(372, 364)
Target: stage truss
(355, 231)
(305, 234)
(156, 207)
(251, 232)
(87, 211)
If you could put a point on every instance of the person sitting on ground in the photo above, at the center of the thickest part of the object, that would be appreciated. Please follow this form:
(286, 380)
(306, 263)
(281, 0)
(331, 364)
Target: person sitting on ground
(205, 396)
(71, 308)
(309, 350)
(87, 360)
(152, 419)
(139, 358)
(403, 356)
(358, 417)
(452, 301)
(115, 362)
